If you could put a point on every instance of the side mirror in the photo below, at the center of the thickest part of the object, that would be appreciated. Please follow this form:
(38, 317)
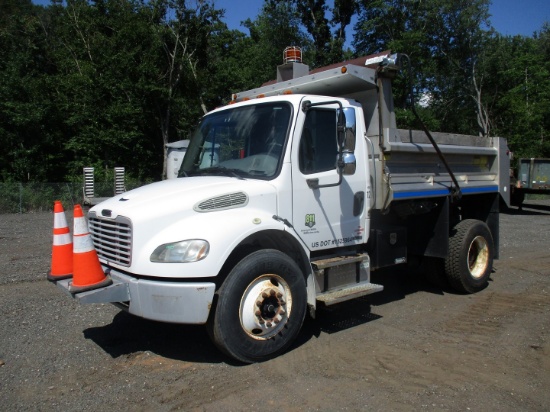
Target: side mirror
(347, 139)
(341, 128)
(351, 126)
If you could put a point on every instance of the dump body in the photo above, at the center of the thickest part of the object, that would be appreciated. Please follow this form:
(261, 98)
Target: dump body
(413, 169)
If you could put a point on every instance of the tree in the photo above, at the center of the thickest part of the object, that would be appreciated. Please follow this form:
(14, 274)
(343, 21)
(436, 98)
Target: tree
(29, 145)
(323, 46)
(445, 38)
(459, 36)
(518, 73)
(127, 78)
(343, 12)
(275, 28)
(108, 83)
(183, 35)
(312, 14)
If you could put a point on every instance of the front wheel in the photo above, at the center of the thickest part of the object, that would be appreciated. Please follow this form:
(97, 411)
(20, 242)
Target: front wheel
(260, 307)
(470, 260)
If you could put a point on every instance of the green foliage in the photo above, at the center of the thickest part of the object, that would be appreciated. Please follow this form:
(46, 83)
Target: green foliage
(276, 27)
(37, 196)
(29, 197)
(108, 83)
(477, 81)
(519, 70)
(324, 37)
(444, 40)
(105, 81)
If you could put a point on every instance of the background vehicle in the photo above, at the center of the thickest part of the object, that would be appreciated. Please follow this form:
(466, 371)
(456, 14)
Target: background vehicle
(532, 176)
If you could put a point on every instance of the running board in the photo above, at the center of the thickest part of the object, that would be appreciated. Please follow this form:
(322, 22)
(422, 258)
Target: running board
(351, 292)
(338, 261)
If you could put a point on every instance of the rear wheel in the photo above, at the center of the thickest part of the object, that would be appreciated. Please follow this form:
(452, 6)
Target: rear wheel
(470, 260)
(260, 307)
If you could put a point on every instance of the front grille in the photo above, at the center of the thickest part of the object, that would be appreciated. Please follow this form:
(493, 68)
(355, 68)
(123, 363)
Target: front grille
(112, 238)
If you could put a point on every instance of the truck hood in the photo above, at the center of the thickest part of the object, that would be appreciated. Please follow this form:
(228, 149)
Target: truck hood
(201, 207)
(181, 196)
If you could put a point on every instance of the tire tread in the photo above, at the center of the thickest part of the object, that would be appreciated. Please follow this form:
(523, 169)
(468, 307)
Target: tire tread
(453, 270)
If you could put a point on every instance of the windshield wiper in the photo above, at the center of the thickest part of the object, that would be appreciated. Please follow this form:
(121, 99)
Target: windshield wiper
(225, 170)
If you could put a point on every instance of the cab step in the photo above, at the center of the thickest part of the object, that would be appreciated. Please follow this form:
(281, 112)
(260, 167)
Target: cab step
(346, 293)
(338, 261)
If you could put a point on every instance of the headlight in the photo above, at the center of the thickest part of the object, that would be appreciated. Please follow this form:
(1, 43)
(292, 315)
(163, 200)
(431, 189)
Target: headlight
(181, 252)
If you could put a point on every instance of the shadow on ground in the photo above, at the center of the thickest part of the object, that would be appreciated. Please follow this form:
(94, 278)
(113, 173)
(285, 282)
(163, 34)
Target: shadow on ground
(128, 334)
(528, 209)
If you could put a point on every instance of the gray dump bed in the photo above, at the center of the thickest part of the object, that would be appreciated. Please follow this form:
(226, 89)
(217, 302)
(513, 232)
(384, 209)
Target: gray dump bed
(411, 168)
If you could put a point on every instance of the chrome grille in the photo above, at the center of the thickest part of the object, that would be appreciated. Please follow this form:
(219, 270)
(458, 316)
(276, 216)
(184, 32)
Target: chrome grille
(228, 201)
(112, 238)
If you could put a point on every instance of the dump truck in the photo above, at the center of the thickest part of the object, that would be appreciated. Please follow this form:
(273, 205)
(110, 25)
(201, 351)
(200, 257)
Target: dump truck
(288, 199)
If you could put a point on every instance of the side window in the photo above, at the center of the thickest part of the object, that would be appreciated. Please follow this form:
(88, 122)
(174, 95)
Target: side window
(318, 149)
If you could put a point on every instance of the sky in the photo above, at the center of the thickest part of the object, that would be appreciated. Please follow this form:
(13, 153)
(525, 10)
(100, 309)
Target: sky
(509, 17)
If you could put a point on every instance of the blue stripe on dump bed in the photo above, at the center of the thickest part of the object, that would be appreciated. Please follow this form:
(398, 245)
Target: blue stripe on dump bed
(444, 192)
(486, 189)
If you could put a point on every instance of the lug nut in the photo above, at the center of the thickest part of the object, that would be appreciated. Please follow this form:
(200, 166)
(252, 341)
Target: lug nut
(279, 295)
(258, 313)
(264, 295)
(276, 320)
(272, 292)
(268, 324)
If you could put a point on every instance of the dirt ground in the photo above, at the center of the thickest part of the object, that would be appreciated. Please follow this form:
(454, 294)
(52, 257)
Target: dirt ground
(410, 347)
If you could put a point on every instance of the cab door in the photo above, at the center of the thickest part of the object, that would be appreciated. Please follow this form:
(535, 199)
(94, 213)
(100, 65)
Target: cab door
(325, 214)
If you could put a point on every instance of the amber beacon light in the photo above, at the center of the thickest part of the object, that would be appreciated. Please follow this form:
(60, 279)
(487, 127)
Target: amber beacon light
(292, 54)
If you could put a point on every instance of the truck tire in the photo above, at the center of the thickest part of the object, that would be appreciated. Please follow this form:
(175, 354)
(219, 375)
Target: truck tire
(260, 307)
(470, 260)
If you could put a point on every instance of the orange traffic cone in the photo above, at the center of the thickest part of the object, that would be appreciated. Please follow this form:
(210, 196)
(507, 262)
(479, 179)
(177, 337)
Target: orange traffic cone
(62, 249)
(87, 271)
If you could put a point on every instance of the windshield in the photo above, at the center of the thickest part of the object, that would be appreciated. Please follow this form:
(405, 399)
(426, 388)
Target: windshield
(245, 142)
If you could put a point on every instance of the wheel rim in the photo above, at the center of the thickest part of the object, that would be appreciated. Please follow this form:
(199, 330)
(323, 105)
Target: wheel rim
(478, 257)
(265, 307)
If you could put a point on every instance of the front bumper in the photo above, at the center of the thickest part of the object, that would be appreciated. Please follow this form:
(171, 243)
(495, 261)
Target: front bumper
(165, 301)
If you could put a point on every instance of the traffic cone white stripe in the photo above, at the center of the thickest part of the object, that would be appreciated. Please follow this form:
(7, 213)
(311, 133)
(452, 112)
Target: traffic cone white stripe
(61, 240)
(59, 221)
(82, 244)
(80, 226)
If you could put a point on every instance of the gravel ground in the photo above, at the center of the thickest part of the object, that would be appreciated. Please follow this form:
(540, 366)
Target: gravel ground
(411, 347)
